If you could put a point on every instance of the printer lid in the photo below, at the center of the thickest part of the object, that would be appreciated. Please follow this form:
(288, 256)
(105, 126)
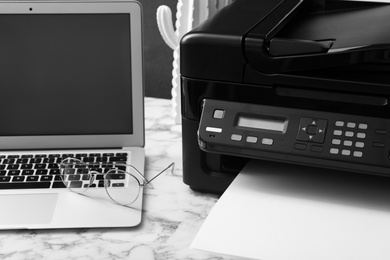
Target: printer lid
(300, 35)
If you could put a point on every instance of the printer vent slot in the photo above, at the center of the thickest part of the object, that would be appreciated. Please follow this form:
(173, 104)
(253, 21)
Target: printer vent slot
(332, 96)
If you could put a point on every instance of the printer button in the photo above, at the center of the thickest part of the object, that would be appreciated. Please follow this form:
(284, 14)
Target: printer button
(236, 137)
(361, 135)
(219, 114)
(348, 143)
(316, 148)
(334, 150)
(312, 129)
(336, 141)
(299, 146)
(346, 152)
(381, 131)
(251, 139)
(359, 144)
(337, 132)
(363, 126)
(214, 129)
(267, 141)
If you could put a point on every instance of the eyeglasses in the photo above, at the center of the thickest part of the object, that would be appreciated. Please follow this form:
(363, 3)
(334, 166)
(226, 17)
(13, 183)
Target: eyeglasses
(122, 182)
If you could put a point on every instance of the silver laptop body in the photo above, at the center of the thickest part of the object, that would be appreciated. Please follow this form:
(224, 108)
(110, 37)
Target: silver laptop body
(71, 83)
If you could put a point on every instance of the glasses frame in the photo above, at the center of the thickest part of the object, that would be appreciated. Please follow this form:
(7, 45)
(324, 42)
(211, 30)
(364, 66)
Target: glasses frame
(142, 181)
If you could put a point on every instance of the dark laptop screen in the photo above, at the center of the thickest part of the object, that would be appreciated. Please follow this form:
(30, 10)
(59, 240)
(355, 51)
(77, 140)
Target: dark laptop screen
(65, 74)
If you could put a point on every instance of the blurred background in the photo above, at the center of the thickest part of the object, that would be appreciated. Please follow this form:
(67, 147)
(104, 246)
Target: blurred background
(158, 56)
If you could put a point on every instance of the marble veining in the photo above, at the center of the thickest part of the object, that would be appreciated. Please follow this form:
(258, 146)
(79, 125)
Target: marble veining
(173, 213)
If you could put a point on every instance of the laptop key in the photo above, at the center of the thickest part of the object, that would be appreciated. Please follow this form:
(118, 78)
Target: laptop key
(23, 160)
(18, 178)
(54, 172)
(13, 166)
(46, 178)
(14, 173)
(27, 172)
(118, 159)
(41, 172)
(73, 177)
(25, 185)
(58, 184)
(32, 178)
(40, 166)
(48, 160)
(35, 160)
(26, 166)
(8, 161)
(53, 166)
(5, 178)
(75, 184)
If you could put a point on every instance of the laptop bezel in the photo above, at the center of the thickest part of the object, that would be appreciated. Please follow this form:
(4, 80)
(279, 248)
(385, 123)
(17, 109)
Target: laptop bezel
(137, 138)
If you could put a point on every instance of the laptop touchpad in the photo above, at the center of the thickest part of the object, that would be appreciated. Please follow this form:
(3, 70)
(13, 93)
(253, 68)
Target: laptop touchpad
(22, 210)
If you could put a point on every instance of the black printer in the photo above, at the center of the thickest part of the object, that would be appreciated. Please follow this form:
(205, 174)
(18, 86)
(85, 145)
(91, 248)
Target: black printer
(294, 81)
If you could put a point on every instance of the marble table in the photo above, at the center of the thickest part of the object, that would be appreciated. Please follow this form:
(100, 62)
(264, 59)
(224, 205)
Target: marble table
(173, 213)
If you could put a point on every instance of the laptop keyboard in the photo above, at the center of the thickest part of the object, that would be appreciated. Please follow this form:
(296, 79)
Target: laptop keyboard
(41, 171)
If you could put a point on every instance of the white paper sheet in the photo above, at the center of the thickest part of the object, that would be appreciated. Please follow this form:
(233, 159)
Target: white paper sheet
(295, 213)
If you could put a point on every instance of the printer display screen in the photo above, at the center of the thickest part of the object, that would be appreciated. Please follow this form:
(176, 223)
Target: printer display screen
(263, 123)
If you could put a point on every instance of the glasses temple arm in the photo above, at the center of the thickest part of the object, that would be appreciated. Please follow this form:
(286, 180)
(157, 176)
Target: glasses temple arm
(147, 182)
(166, 168)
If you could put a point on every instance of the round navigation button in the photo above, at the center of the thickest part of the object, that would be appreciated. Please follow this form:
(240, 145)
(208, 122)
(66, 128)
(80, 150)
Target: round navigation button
(312, 129)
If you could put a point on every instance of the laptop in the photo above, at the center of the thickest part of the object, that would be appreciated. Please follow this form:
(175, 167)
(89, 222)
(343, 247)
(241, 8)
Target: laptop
(71, 86)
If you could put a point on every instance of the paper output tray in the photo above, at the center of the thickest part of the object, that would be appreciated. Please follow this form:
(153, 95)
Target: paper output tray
(323, 39)
(348, 29)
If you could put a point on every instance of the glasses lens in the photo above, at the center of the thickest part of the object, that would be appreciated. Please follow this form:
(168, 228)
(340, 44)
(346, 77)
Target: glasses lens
(122, 187)
(76, 175)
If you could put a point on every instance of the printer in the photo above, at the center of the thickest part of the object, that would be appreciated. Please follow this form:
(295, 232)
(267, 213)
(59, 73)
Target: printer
(291, 81)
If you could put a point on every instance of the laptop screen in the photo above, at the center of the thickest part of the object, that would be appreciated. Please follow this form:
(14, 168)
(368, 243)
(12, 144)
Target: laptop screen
(65, 74)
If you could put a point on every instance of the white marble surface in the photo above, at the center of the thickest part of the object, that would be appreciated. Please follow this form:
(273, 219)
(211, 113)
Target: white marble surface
(173, 213)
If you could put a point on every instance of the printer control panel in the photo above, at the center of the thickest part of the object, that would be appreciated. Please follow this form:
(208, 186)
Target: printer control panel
(295, 135)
